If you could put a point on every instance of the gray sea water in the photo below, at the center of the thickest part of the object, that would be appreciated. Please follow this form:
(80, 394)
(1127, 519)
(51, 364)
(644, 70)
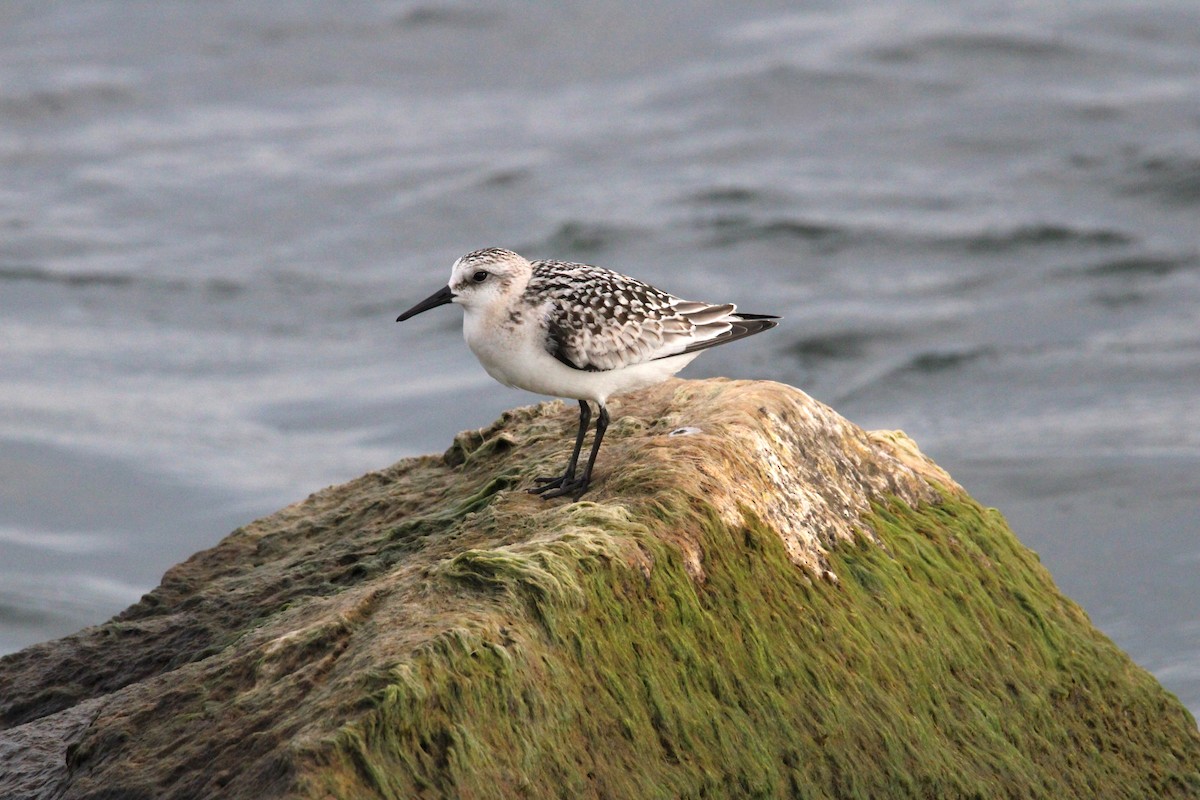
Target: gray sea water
(981, 222)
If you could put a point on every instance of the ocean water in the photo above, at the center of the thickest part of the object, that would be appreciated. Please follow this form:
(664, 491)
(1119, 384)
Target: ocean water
(980, 221)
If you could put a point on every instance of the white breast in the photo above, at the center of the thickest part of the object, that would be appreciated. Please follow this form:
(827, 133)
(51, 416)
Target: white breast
(514, 354)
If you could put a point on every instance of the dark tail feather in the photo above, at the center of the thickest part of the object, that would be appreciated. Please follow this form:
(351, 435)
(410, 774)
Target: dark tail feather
(743, 325)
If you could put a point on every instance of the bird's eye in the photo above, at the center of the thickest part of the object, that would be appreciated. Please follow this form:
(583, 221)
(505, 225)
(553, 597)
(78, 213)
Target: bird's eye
(480, 277)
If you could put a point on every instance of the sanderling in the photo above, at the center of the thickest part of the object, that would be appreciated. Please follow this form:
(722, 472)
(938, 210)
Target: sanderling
(578, 331)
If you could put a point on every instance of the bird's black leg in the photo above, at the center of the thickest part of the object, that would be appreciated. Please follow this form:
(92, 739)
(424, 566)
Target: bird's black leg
(601, 427)
(568, 477)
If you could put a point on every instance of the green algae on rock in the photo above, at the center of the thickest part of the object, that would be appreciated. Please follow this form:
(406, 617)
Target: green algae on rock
(770, 603)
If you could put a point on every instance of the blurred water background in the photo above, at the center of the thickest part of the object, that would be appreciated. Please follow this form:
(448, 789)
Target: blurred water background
(981, 222)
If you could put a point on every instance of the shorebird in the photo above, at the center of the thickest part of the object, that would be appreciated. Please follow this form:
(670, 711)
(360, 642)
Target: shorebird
(581, 332)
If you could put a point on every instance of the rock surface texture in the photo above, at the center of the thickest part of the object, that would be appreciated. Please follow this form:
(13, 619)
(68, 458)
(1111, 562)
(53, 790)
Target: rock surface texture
(756, 599)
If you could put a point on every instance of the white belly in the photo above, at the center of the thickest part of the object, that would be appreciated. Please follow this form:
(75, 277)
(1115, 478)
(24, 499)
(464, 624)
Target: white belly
(515, 356)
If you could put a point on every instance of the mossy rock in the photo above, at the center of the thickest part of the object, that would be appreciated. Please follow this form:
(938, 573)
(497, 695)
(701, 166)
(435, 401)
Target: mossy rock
(774, 603)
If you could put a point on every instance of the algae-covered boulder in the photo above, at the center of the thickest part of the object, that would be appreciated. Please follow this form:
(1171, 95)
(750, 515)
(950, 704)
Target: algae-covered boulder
(756, 598)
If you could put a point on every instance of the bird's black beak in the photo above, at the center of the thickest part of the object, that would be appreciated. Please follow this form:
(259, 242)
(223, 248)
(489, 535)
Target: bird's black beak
(438, 298)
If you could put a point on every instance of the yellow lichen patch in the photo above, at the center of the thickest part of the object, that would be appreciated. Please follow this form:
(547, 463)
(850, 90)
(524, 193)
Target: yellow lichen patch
(800, 468)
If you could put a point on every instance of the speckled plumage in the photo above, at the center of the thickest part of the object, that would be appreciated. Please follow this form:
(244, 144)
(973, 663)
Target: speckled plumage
(579, 331)
(599, 319)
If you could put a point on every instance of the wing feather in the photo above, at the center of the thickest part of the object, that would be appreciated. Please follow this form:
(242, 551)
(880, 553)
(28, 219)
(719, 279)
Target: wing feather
(597, 319)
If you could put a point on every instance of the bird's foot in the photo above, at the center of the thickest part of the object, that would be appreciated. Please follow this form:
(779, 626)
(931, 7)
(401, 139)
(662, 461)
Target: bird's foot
(560, 486)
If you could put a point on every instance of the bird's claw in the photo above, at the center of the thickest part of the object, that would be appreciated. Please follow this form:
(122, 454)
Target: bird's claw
(560, 486)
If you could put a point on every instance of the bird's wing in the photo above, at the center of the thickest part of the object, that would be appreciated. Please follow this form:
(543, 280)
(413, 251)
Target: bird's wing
(740, 326)
(597, 319)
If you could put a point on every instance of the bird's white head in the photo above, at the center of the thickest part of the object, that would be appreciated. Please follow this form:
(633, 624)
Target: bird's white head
(479, 280)
(482, 278)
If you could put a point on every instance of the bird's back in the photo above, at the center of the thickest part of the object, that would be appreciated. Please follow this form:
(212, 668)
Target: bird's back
(598, 319)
